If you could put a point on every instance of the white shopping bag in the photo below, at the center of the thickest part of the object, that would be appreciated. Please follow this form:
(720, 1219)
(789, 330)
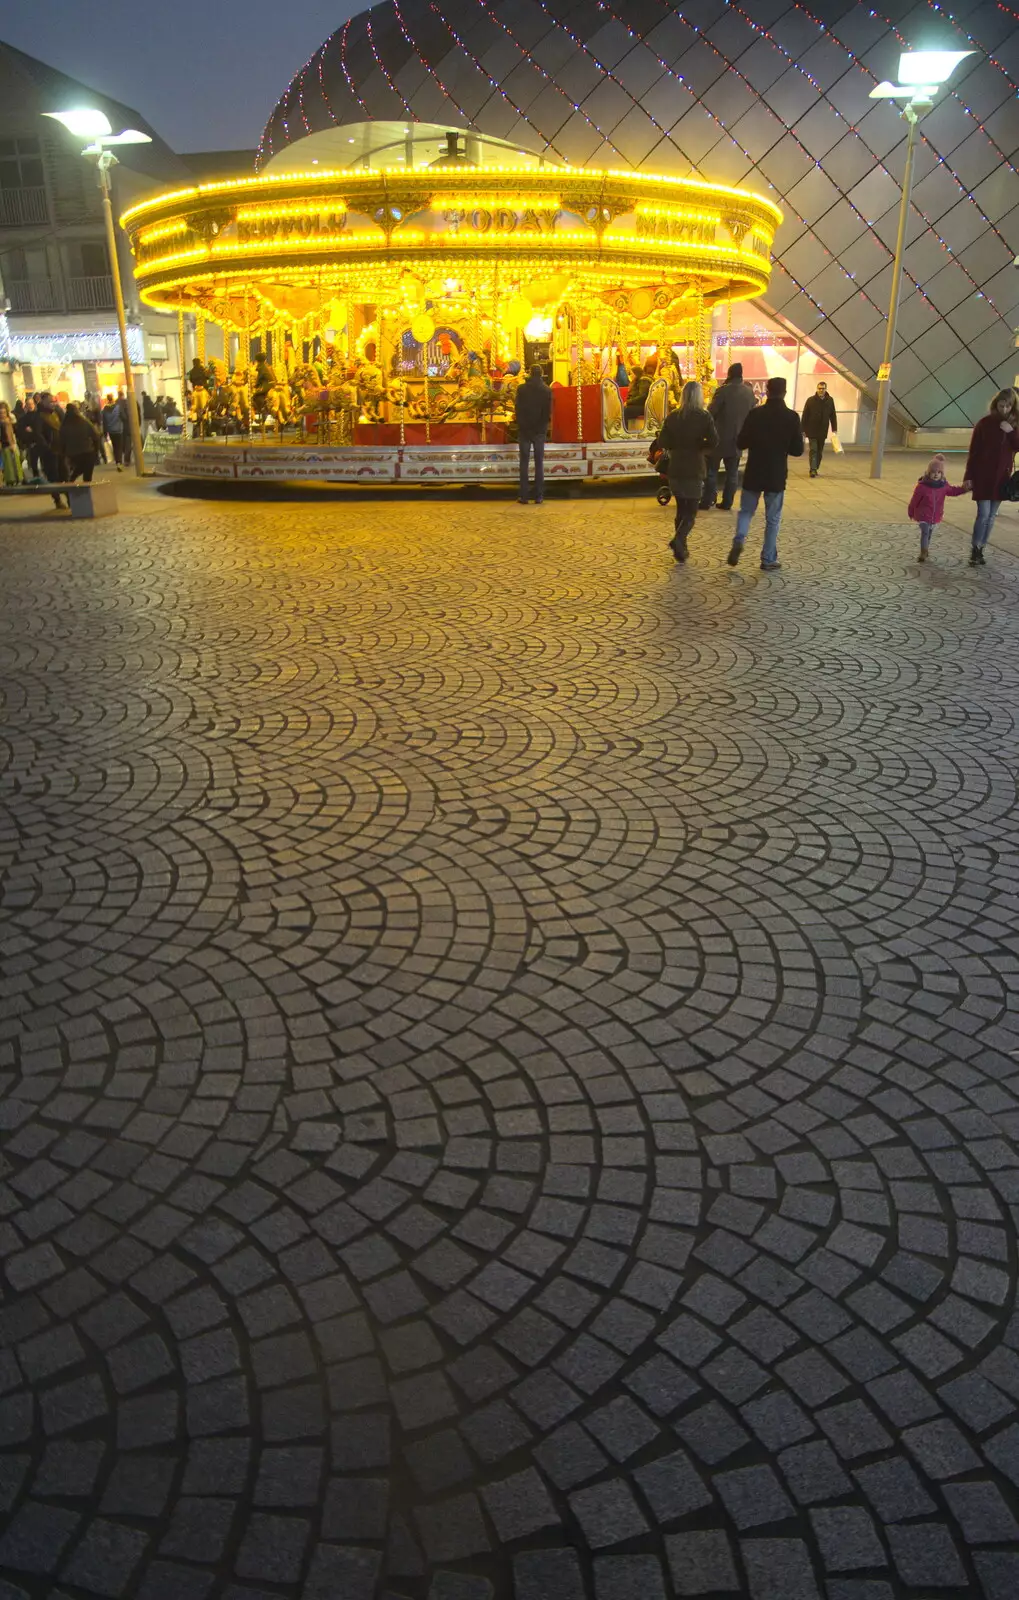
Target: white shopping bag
(836, 444)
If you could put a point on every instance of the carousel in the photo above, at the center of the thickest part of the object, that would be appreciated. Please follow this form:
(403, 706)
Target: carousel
(352, 325)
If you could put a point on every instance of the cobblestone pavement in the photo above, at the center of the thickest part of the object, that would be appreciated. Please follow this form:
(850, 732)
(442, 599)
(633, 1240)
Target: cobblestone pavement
(509, 1055)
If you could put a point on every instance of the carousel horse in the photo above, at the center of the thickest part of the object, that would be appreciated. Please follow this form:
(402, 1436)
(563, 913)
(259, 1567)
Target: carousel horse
(370, 391)
(270, 396)
(238, 405)
(474, 399)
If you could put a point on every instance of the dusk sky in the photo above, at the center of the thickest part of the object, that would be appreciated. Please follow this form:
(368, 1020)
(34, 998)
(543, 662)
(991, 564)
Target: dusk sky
(206, 73)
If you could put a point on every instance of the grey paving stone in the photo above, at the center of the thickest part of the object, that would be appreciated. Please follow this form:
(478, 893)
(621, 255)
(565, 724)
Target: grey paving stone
(894, 1490)
(925, 1554)
(35, 1538)
(607, 1513)
(753, 1496)
(462, 1055)
(547, 1574)
(519, 1505)
(779, 1569)
(846, 1538)
(628, 1578)
(106, 1559)
(701, 1563)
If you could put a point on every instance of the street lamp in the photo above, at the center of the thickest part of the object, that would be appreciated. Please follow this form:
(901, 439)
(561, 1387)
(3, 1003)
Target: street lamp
(921, 74)
(88, 123)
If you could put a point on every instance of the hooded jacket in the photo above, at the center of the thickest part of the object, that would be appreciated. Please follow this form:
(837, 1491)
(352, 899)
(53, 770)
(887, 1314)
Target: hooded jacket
(928, 499)
(689, 436)
(78, 436)
(730, 406)
(770, 435)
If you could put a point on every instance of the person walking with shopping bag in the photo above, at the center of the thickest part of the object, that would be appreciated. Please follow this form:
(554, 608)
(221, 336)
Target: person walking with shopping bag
(818, 416)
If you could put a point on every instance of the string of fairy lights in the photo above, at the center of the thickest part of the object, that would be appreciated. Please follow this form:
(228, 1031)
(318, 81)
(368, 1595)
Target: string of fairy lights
(735, 70)
(780, 40)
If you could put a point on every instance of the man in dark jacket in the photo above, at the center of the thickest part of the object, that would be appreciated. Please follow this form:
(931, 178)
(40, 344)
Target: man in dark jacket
(534, 413)
(45, 422)
(818, 417)
(730, 406)
(770, 435)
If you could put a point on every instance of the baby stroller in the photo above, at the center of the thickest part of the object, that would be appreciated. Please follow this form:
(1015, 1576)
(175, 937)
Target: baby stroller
(659, 459)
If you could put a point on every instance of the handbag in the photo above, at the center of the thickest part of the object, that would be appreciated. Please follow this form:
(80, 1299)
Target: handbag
(836, 444)
(1010, 488)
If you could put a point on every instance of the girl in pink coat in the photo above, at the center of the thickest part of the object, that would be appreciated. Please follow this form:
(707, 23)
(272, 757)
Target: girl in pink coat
(927, 505)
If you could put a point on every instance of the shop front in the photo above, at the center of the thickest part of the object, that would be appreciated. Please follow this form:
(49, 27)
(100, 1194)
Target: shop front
(745, 333)
(73, 363)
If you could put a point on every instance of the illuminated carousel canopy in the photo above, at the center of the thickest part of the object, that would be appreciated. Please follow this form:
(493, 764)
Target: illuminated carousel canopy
(376, 306)
(281, 249)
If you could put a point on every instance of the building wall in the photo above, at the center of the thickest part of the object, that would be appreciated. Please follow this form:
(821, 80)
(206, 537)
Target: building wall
(773, 96)
(54, 263)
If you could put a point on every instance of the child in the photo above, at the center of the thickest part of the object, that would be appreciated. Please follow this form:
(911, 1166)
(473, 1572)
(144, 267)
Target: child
(927, 505)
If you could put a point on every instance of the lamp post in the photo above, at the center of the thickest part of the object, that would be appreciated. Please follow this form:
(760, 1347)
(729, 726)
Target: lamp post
(89, 123)
(921, 74)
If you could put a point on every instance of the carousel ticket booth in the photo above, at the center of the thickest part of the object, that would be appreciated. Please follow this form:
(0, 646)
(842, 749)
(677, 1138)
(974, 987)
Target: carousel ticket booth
(374, 324)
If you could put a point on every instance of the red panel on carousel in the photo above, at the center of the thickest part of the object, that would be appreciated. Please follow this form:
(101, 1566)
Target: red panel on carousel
(564, 414)
(443, 433)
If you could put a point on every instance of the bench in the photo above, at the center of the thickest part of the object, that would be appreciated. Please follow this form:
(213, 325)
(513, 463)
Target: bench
(86, 499)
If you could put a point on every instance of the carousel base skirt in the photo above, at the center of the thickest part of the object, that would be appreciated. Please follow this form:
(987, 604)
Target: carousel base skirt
(436, 463)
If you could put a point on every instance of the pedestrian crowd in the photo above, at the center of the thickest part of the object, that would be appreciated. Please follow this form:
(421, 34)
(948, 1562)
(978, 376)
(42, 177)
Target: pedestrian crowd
(697, 445)
(42, 441)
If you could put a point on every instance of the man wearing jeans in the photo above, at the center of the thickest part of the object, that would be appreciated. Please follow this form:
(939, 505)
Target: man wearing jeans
(770, 435)
(534, 413)
(818, 416)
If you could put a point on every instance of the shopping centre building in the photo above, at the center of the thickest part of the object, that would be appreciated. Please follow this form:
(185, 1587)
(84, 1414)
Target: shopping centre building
(774, 98)
(441, 195)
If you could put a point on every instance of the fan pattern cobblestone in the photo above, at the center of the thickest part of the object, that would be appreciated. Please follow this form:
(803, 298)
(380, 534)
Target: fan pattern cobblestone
(510, 1060)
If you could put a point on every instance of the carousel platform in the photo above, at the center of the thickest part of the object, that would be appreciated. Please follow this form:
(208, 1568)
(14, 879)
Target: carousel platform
(393, 463)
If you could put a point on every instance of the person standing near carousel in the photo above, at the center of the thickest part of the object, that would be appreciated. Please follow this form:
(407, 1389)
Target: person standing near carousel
(533, 407)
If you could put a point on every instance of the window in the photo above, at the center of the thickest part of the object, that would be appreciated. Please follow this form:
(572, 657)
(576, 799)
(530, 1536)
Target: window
(88, 260)
(18, 265)
(20, 164)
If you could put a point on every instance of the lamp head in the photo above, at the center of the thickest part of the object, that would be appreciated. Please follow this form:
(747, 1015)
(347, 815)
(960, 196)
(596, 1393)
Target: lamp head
(929, 68)
(83, 121)
(899, 91)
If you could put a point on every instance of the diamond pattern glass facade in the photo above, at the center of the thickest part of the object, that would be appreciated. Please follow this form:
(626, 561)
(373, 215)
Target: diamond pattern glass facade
(774, 96)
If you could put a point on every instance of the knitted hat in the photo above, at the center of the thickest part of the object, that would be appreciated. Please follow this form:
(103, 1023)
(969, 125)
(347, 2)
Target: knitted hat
(936, 463)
